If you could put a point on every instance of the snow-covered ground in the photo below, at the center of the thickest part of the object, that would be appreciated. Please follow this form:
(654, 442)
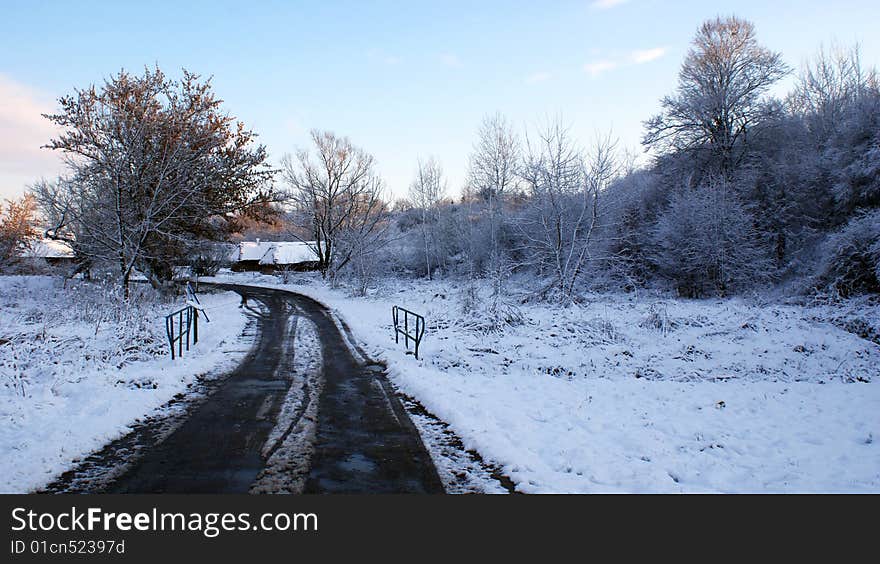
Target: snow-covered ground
(77, 369)
(639, 394)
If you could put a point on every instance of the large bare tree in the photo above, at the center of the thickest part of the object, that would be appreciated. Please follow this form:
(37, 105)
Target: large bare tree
(337, 196)
(558, 227)
(154, 166)
(426, 194)
(828, 85)
(492, 176)
(719, 96)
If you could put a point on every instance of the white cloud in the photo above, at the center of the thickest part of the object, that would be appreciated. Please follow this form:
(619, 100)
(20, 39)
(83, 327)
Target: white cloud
(23, 130)
(538, 77)
(607, 4)
(647, 55)
(638, 57)
(597, 68)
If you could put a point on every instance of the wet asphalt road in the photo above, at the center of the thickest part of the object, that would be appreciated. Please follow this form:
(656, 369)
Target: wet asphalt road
(365, 441)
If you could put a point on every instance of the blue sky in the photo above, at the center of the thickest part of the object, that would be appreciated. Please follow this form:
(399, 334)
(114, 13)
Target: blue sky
(403, 79)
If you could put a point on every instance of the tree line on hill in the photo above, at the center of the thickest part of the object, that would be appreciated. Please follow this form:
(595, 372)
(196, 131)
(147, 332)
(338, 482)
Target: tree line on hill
(744, 190)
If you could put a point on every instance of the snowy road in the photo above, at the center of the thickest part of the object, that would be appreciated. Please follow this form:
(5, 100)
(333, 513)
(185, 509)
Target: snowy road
(363, 442)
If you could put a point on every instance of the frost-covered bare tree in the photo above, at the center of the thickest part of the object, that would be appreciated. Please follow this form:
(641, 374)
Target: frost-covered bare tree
(829, 85)
(629, 210)
(557, 228)
(718, 101)
(426, 194)
(337, 195)
(494, 161)
(812, 165)
(850, 258)
(707, 242)
(850, 140)
(493, 174)
(154, 166)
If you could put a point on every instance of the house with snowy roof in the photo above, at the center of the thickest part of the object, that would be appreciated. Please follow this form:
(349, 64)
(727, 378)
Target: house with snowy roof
(272, 256)
(50, 251)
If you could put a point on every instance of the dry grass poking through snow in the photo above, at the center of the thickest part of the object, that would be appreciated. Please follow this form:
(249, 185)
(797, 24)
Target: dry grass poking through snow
(79, 365)
(50, 334)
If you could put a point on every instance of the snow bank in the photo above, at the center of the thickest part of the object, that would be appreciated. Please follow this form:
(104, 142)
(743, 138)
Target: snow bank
(74, 379)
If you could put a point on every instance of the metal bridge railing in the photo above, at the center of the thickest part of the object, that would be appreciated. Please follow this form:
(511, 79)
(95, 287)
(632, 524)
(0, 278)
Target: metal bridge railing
(182, 326)
(414, 330)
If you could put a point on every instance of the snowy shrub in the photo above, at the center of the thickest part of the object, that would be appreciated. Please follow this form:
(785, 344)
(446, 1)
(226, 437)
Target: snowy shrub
(285, 273)
(630, 209)
(482, 314)
(360, 273)
(469, 297)
(51, 334)
(492, 319)
(850, 258)
(601, 330)
(658, 318)
(707, 243)
(209, 259)
(854, 155)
